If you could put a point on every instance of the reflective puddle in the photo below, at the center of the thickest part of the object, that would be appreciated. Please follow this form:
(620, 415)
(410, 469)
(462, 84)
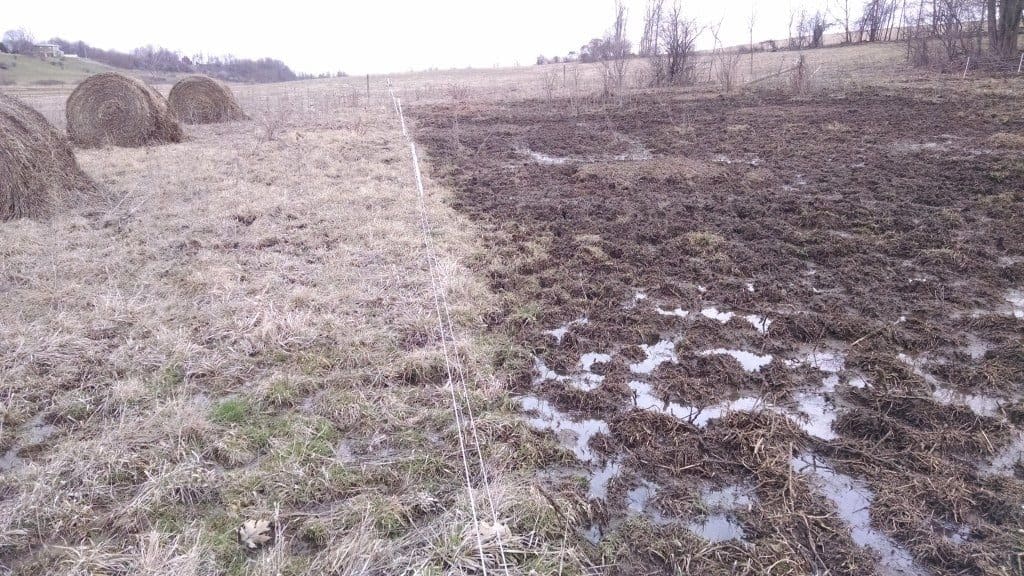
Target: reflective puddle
(980, 404)
(657, 354)
(573, 434)
(1005, 461)
(748, 360)
(1016, 300)
(559, 333)
(721, 505)
(852, 499)
(32, 433)
(716, 314)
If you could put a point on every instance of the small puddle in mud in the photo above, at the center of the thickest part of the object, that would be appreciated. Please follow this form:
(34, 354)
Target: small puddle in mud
(559, 333)
(853, 501)
(748, 360)
(657, 354)
(645, 399)
(572, 434)
(32, 433)
(721, 506)
(600, 479)
(677, 312)
(716, 314)
(758, 322)
(1005, 461)
(585, 379)
(547, 160)
(955, 533)
(1016, 300)
(978, 403)
(977, 347)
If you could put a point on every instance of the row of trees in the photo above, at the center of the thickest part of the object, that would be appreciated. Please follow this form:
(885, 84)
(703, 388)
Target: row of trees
(667, 33)
(158, 59)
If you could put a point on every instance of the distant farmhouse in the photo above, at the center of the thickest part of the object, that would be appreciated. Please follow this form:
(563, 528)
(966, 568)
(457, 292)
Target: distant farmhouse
(47, 51)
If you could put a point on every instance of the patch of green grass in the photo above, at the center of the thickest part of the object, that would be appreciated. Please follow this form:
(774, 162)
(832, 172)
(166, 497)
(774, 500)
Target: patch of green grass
(28, 70)
(231, 412)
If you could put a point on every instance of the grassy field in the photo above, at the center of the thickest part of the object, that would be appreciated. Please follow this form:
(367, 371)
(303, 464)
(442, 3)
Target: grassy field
(244, 328)
(18, 70)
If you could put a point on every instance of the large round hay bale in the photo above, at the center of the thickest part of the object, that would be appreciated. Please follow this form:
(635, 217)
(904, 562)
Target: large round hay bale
(38, 170)
(113, 109)
(203, 100)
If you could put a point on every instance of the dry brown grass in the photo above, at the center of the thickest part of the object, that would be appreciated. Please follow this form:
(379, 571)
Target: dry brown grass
(247, 331)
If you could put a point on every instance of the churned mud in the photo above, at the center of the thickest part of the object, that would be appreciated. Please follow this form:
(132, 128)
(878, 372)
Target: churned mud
(775, 334)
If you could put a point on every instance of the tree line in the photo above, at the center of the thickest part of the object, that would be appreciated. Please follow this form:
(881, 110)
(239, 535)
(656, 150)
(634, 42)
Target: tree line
(159, 59)
(962, 27)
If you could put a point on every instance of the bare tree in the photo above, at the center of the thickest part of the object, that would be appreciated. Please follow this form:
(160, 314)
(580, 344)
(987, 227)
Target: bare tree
(750, 34)
(875, 17)
(652, 26)
(616, 61)
(842, 14)
(816, 25)
(678, 36)
(19, 41)
(725, 62)
(1004, 19)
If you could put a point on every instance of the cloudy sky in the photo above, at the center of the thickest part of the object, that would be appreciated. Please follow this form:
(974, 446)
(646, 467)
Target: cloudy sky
(372, 36)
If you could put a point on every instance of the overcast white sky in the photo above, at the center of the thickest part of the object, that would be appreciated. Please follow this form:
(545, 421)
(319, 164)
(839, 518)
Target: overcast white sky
(372, 36)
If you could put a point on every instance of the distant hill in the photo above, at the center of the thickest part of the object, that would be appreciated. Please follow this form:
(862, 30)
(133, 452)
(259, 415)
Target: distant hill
(29, 70)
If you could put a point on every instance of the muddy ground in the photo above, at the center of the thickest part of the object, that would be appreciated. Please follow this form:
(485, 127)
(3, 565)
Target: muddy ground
(774, 334)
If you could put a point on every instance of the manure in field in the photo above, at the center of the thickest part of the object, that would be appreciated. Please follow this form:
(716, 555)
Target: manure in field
(38, 171)
(116, 110)
(203, 100)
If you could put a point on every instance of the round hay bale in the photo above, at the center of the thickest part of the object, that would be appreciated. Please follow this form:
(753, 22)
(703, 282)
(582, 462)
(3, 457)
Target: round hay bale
(203, 100)
(112, 109)
(38, 170)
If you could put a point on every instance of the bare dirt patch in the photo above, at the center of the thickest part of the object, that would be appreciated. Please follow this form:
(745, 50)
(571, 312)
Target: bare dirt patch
(822, 307)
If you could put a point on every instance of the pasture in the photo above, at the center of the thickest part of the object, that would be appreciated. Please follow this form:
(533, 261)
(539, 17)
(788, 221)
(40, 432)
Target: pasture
(775, 330)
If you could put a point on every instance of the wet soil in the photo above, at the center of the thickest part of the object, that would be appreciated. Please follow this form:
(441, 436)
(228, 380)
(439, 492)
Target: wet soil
(816, 300)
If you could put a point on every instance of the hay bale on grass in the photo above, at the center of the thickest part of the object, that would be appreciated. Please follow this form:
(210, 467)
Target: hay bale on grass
(112, 109)
(203, 100)
(38, 170)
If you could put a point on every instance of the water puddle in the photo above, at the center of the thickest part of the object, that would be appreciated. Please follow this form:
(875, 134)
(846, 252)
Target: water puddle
(977, 347)
(677, 312)
(1008, 261)
(572, 434)
(559, 333)
(657, 354)
(585, 380)
(748, 360)
(721, 506)
(980, 404)
(644, 399)
(817, 413)
(717, 528)
(1006, 460)
(547, 160)
(955, 533)
(639, 499)
(715, 314)
(760, 323)
(600, 479)
(852, 499)
(32, 433)
(824, 359)
(1016, 300)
